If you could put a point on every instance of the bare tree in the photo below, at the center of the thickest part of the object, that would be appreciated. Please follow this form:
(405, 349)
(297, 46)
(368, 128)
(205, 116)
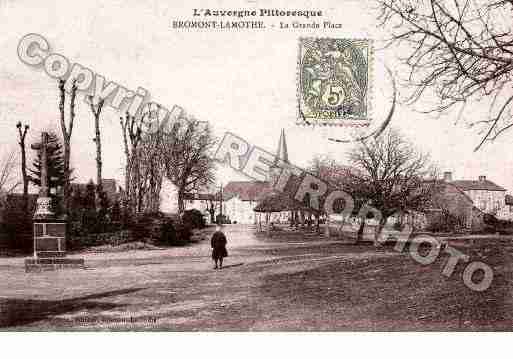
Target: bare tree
(145, 164)
(327, 169)
(186, 150)
(67, 131)
(147, 182)
(96, 110)
(8, 180)
(22, 134)
(131, 127)
(461, 51)
(391, 178)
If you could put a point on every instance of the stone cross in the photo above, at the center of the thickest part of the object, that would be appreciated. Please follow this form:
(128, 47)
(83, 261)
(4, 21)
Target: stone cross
(42, 147)
(44, 202)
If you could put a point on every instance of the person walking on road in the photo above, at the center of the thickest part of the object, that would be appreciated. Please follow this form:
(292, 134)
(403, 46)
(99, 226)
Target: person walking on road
(218, 244)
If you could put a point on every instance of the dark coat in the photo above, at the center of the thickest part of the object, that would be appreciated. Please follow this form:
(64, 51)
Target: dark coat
(218, 244)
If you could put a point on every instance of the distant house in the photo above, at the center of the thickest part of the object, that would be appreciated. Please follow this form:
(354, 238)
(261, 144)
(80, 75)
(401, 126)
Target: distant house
(486, 195)
(241, 197)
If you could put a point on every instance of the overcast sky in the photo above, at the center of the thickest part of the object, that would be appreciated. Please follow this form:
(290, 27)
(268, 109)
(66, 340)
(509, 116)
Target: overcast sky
(239, 81)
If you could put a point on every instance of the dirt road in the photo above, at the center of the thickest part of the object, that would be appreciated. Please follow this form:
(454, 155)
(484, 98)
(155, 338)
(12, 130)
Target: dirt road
(287, 282)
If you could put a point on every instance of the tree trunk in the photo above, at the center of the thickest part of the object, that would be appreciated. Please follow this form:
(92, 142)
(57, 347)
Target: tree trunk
(96, 111)
(66, 187)
(136, 185)
(379, 229)
(97, 140)
(328, 233)
(341, 227)
(24, 175)
(181, 204)
(66, 134)
(359, 235)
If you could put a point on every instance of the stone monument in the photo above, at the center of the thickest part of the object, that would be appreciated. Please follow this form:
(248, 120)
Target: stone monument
(49, 232)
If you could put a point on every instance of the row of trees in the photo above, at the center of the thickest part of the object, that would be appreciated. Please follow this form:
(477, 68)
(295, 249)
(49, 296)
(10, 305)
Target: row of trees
(387, 172)
(179, 152)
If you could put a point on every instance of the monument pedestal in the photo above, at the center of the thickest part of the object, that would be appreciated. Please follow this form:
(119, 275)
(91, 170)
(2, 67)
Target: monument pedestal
(50, 246)
(49, 232)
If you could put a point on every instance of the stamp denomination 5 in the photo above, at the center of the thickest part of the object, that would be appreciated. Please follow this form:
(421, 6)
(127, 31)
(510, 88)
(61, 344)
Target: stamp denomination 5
(334, 81)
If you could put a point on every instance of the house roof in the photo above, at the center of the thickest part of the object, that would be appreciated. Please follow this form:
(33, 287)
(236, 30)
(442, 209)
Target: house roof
(279, 202)
(486, 185)
(275, 202)
(245, 190)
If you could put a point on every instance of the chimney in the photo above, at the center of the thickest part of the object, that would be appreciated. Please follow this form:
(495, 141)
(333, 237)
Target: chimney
(447, 176)
(482, 178)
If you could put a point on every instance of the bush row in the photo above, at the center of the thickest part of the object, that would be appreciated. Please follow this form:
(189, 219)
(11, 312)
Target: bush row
(154, 228)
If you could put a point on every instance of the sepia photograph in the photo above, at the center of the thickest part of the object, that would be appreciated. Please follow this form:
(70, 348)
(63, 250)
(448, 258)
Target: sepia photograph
(256, 166)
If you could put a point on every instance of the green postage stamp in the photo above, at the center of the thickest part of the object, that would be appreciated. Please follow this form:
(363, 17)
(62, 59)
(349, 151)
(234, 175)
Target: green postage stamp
(334, 82)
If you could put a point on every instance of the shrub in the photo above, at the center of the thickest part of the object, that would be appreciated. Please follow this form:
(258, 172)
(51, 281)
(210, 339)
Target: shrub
(222, 219)
(193, 219)
(158, 229)
(445, 222)
(17, 226)
(98, 239)
(92, 216)
(174, 234)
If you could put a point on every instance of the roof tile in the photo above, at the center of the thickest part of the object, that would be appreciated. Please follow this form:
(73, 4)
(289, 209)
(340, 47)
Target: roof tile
(469, 185)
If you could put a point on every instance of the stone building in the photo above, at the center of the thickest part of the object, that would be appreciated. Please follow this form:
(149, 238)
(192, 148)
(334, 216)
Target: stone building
(487, 196)
(449, 208)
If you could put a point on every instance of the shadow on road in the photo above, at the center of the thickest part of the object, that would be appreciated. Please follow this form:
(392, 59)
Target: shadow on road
(15, 312)
(232, 265)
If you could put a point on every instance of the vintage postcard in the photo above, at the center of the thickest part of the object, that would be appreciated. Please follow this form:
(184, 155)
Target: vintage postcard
(242, 166)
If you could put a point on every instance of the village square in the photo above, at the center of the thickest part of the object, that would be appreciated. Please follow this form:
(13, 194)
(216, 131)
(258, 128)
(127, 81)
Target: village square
(296, 189)
(154, 271)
